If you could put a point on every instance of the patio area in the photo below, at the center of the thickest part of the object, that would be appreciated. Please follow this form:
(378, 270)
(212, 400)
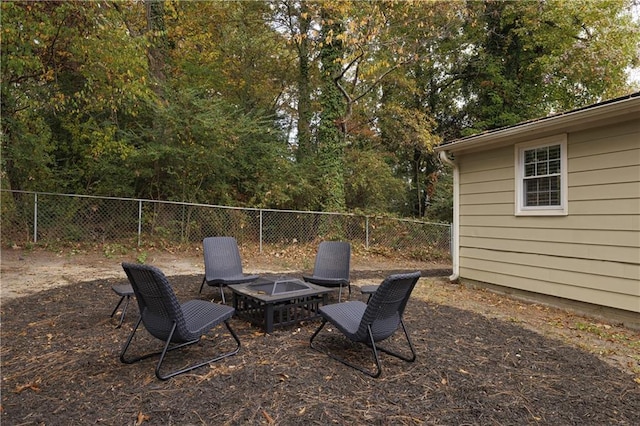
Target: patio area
(60, 365)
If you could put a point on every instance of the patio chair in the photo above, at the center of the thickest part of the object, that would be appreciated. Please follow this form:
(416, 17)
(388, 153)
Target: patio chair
(332, 264)
(222, 264)
(372, 322)
(178, 325)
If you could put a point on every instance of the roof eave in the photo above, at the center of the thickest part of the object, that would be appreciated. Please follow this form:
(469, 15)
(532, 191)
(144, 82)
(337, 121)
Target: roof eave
(625, 109)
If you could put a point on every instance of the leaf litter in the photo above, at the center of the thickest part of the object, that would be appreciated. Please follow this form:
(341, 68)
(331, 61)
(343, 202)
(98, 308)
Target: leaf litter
(60, 366)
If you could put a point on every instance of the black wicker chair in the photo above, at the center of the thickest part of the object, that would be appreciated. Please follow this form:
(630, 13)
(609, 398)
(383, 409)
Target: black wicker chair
(178, 325)
(332, 265)
(222, 263)
(372, 322)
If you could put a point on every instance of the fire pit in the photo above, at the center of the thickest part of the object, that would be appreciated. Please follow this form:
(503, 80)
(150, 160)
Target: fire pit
(278, 287)
(269, 303)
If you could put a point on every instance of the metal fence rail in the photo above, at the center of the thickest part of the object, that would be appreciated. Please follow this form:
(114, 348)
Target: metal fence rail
(48, 218)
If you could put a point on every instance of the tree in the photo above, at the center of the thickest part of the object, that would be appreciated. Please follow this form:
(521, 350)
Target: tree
(217, 138)
(331, 105)
(71, 75)
(526, 59)
(295, 19)
(331, 131)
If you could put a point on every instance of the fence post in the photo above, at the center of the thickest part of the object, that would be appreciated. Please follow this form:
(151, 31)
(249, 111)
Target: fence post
(182, 223)
(35, 218)
(139, 221)
(366, 232)
(260, 231)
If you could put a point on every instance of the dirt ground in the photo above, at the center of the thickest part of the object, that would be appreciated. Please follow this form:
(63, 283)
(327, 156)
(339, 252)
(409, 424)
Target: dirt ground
(483, 358)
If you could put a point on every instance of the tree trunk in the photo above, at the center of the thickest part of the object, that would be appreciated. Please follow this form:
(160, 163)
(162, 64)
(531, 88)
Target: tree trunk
(331, 136)
(305, 148)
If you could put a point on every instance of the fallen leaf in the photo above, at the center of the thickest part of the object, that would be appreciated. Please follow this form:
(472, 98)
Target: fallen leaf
(142, 418)
(268, 417)
(33, 386)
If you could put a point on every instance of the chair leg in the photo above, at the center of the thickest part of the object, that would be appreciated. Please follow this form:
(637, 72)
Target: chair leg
(374, 350)
(221, 291)
(400, 356)
(167, 348)
(149, 355)
(117, 306)
(124, 309)
(340, 294)
(324, 321)
(373, 374)
(128, 342)
(201, 364)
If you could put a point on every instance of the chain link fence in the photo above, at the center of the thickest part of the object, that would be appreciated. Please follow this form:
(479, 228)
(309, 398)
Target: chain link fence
(56, 219)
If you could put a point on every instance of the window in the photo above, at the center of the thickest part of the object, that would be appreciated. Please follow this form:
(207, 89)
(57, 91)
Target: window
(541, 177)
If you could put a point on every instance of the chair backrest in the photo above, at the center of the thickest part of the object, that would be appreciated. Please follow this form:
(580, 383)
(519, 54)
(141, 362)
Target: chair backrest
(385, 308)
(221, 258)
(333, 260)
(159, 306)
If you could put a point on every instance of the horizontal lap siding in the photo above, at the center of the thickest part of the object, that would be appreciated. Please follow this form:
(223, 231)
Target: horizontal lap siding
(543, 242)
(602, 297)
(624, 207)
(585, 222)
(591, 255)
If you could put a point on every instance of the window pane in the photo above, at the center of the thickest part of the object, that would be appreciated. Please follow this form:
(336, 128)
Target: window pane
(532, 199)
(554, 166)
(542, 169)
(554, 152)
(530, 170)
(544, 185)
(543, 199)
(555, 183)
(541, 154)
(529, 156)
(531, 185)
(554, 198)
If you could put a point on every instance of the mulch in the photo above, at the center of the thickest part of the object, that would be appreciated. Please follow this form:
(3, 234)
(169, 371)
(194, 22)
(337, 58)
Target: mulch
(60, 365)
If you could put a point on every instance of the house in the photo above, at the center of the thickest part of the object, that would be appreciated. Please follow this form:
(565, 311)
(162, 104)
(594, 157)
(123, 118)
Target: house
(549, 209)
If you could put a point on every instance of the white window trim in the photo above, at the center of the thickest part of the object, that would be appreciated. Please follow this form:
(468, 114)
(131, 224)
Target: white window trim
(520, 208)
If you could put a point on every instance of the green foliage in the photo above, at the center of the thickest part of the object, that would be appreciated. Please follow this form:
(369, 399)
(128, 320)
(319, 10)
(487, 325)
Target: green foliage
(370, 183)
(328, 105)
(528, 59)
(441, 207)
(204, 150)
(112, 250)
(331, 134)
(142, 257)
